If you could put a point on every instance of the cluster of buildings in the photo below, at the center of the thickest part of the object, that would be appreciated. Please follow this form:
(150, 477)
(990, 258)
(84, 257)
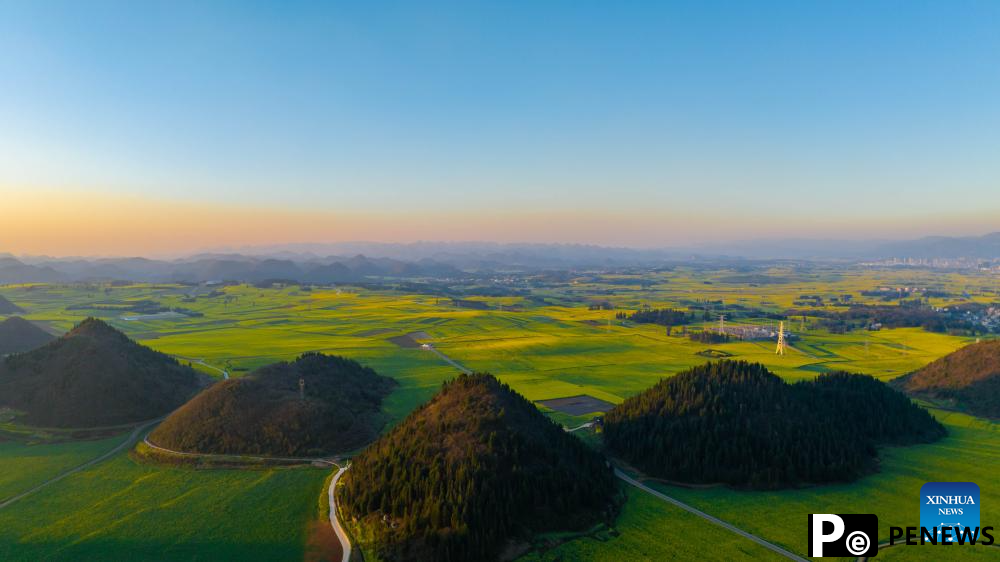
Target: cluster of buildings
(990, 318)
(938, 263)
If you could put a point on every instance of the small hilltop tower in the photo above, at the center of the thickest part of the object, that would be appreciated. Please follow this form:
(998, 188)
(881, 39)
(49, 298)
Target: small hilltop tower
(781, 339)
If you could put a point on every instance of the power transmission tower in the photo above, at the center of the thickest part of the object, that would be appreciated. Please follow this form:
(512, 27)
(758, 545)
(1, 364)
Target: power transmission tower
(722, 324)
(781, 339)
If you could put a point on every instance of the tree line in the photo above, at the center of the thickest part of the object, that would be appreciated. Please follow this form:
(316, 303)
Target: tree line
(736, 423)
(661, 316)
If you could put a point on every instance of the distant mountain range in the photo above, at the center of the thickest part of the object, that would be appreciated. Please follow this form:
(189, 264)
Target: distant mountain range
(986, 247)
(206, 268)
(491, 255)
(332, 263)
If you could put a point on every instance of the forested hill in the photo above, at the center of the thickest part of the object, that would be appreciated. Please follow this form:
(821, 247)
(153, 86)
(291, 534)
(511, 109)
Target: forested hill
(263, 413)
(94, 376)
(968, 379)
(474, 467)
(735, 422)
(17, 335)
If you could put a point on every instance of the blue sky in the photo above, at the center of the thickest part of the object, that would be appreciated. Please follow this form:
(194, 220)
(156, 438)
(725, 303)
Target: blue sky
(861, 111)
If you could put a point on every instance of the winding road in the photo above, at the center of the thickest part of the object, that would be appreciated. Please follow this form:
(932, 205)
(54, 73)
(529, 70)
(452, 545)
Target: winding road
(345, 541)
(225, 373)
(578, 428)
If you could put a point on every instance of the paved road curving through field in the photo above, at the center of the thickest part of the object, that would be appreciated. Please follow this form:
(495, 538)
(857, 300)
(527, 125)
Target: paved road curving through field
(345, 542)
(128, 442)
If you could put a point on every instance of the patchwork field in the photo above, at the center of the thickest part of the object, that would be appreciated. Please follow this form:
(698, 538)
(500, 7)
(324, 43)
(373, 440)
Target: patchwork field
(122, 509)
(548, 345)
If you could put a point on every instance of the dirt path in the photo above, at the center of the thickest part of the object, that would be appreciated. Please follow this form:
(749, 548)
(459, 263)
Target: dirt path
(225, 373)
(771, 546)
(450, 361)
(345, 542)
(568, 430)
(128, 442)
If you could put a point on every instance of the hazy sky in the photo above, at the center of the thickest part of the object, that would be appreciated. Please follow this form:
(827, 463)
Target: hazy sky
(141, 127)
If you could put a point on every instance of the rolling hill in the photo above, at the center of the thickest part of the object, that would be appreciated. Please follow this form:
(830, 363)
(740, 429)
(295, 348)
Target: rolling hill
(18, 335)
(94, 376)
(736, 423)
(968, 379)
(471, 470)
(262, 413)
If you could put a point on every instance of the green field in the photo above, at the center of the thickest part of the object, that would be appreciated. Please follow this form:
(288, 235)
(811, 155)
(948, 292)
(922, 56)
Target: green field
(651, 529)
(26, 465)
(549, 349)
(126, 510)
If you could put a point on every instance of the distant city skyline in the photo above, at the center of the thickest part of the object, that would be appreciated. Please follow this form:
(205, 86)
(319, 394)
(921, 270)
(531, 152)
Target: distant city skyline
(168, 128)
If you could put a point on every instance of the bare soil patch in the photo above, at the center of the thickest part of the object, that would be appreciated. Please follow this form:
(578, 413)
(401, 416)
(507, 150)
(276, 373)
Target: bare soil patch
(404, 341)
(322, 544)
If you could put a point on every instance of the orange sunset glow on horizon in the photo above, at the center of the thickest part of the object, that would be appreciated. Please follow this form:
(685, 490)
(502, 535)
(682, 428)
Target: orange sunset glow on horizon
(39, 222)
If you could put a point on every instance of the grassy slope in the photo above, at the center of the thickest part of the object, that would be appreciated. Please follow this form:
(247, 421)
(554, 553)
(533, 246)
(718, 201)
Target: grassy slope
(125, 510)
(24, 466)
